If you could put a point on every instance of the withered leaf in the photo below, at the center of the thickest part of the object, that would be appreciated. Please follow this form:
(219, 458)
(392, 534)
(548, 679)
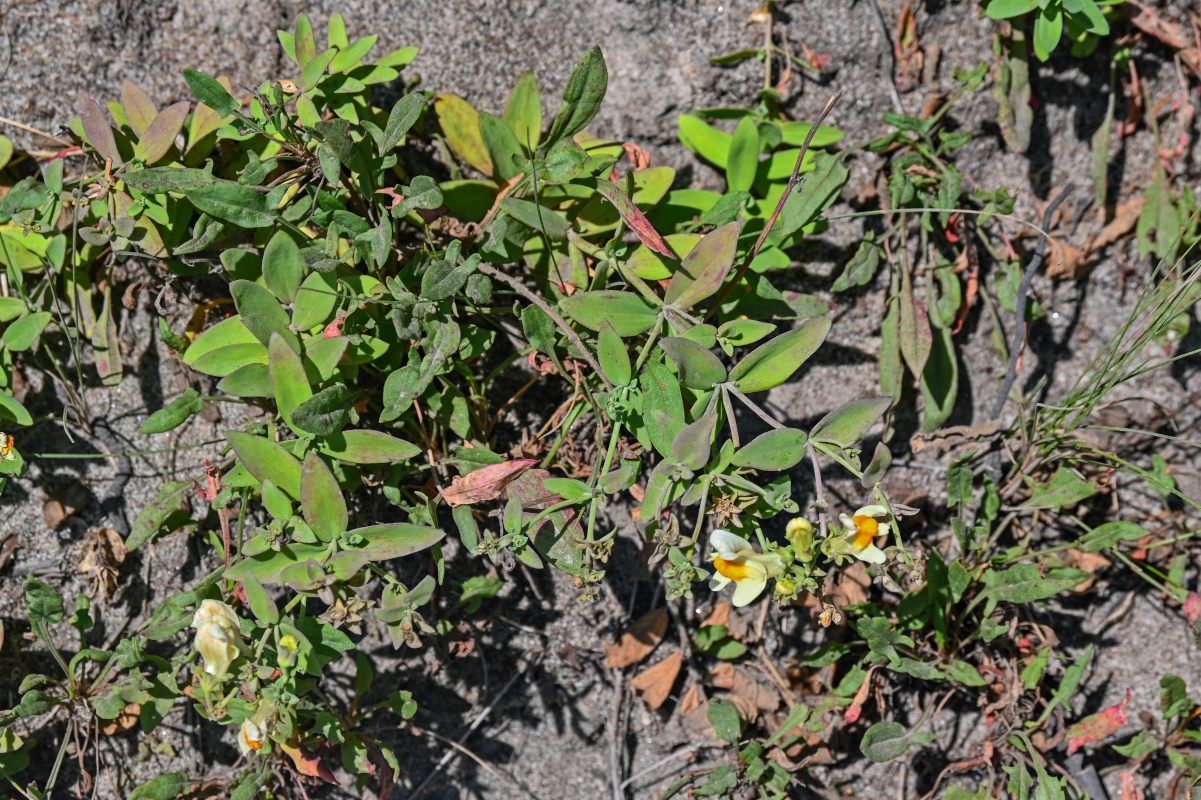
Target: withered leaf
(739, 682)
(638, 641)
(1096, 727)
(720, 615)
(485, 483)
(64, 502)
(655, 682)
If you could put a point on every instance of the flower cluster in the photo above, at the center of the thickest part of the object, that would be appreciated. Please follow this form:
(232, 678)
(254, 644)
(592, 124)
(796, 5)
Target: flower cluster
(736, 561)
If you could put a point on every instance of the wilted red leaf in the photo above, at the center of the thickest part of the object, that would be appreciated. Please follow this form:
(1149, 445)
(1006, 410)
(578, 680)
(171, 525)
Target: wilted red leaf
(655, 682)
(1097, 726)
(639, 157)
(852, 715)
(634, 217)
(1130, 790)
(638, 641)
(485, 483)
(307, 764)
(1192, 607)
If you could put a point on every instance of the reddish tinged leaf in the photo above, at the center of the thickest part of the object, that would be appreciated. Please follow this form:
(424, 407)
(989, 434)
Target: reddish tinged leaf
(160, 134)
(852, 715)
(139, 108)
(1192, 607)
(307, 764)
(634, 217)
(1097, 726)
(485, 483)
(915, 335)
(97, 128)
(1130, 790)
(639, 157)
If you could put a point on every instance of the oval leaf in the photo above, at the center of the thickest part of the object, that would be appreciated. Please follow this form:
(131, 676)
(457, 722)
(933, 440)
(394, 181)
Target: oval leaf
(321, 500)
(847, 425)
(774, 450)
(396, 539)
(628, 313)
(770, 364)
(266, 460)
(698, 368)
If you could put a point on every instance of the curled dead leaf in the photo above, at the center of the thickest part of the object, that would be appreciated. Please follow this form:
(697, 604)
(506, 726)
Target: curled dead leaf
(485, 483)
(100, 560)
(307, 764)
(638, 641)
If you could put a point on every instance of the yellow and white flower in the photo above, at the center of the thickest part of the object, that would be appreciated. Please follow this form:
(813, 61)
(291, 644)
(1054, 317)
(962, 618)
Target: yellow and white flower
(859, 537)
(251, 737)
(736, 561)
(218, 639)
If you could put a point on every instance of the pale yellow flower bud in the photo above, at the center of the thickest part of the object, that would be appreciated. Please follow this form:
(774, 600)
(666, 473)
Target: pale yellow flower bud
(800, 536)
(218, 639)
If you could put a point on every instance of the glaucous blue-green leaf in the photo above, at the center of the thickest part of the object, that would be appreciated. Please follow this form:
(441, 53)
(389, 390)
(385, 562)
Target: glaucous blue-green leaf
(698, 368)
(775, 450)
(628, 313)
(846, 425)
(266, 460)
(772, 363)
(321, 500)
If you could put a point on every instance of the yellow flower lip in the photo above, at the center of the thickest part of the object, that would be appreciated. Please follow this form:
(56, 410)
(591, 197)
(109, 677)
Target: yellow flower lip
(736, 561)
(867, 529)
(731, 569)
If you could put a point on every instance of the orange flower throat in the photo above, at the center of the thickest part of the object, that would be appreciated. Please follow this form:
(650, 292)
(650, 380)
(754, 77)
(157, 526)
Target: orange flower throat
(867, 528)
(731, 569)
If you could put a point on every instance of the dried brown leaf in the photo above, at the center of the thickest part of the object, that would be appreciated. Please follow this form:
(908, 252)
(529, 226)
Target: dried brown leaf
(65, 502)
(638, 641)
(739, 682)
(655, 682)
(851, 586)
(485, 483)
(720, 615)
(1123, 222)
(691, 700)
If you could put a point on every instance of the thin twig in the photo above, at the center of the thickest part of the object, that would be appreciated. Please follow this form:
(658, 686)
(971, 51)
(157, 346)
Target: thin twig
(682, 752)
(487, 767)
(795, 181)
(1019, 329)
(615, 737)
(33, 130)
(446, 759)
(892, 58)
(521, 289)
